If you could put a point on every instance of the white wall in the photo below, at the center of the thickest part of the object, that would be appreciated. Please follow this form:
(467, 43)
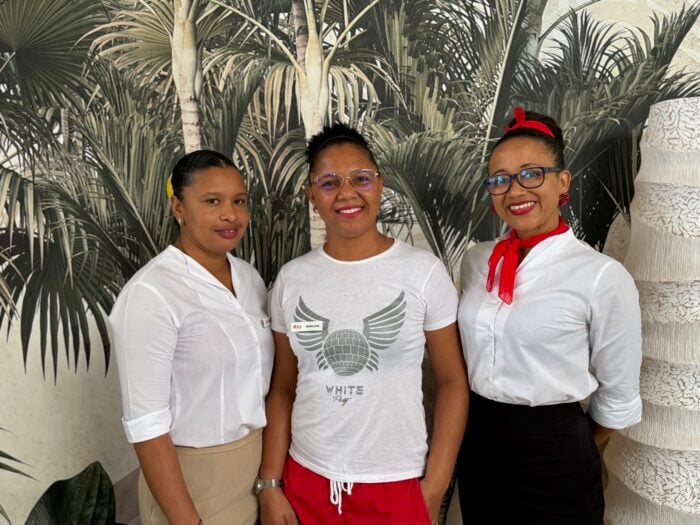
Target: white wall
(58, 429)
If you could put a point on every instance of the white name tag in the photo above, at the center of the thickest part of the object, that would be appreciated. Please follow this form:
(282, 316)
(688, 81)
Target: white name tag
(311, 326)
(265, 322)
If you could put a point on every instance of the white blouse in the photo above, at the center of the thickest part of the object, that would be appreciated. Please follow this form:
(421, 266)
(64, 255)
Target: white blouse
(573, 330)
(194, 359)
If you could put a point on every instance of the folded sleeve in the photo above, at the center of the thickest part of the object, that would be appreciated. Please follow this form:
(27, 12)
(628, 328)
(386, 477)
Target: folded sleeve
(616, 349)
(441, 299)
(144, 333)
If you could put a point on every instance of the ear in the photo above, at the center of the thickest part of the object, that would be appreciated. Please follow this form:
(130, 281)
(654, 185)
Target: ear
(564, 181)
(176, 207)
(310, 195)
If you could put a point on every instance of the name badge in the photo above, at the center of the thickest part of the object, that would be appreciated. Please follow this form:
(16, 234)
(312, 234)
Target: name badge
(309, 326)
(265, 322)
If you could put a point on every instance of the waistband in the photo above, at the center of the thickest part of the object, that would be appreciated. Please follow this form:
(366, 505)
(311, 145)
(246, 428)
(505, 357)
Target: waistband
(557, 411)
(251, 437)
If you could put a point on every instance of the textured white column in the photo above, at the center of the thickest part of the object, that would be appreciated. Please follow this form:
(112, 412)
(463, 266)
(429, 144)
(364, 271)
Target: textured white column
(654, 467)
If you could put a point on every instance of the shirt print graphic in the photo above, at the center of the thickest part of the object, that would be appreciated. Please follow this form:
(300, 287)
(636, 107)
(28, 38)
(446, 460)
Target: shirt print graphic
(345, 351)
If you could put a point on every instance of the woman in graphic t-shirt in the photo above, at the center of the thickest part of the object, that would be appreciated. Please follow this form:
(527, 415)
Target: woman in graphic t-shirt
(546, 321)
(346, 435)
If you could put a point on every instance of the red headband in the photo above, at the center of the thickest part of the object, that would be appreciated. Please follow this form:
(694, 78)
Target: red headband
(520, 122)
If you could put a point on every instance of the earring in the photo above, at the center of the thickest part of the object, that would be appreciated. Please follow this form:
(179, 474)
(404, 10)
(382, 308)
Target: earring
(564, 199)
(492, 208)
(315, 209)
(180, 221)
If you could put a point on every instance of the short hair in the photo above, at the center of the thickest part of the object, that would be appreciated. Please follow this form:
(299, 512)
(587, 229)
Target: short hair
(554, 144)
(335, 134)
(188, 166)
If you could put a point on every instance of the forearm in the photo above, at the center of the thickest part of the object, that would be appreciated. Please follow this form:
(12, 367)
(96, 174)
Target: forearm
(277, 433)
(451, 408)
(163, 474)
(600, 433)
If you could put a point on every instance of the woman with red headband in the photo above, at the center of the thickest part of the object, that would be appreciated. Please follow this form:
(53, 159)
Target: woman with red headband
(546, 322)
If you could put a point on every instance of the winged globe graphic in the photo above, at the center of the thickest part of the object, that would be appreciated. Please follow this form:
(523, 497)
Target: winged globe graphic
(346, 351)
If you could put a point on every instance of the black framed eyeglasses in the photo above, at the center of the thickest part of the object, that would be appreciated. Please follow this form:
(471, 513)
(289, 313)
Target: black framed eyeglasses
(528, 178)
(363, 179)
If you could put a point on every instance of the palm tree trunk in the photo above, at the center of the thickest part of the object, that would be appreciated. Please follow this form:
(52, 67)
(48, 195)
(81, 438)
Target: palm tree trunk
(187, 71)
(313, 91)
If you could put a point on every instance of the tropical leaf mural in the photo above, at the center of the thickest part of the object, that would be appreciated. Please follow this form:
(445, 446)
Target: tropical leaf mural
(92, 113)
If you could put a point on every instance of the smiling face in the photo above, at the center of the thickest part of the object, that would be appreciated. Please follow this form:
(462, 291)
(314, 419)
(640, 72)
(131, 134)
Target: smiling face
(349, 212)
(213, 212)
(528, 211)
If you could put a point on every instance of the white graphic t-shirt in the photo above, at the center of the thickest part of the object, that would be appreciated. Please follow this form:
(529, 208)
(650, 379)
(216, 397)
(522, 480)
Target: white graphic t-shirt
(357, 330)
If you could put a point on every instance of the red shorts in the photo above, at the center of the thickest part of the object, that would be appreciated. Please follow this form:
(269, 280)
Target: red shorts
(389, 503)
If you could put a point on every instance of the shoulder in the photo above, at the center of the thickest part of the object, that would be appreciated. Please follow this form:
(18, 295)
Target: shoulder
(476, 255)
(303, 262)
(153, 280)
(247, 271)
(159, 271)
(417, 256)
(599, 274)
(594, 262)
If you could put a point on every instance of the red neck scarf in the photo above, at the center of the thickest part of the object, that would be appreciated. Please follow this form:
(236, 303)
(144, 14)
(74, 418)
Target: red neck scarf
(508, 250)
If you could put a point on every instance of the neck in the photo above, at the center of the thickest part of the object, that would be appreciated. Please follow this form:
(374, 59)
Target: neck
(215, 263)
(359, 248)
(526, 234)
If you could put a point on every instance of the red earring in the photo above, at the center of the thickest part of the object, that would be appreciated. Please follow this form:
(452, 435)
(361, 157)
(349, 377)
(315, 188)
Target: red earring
(564, 199)
(492, 208)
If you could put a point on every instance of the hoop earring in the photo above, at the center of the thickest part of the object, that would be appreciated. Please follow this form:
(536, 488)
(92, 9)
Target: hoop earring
(564, 199)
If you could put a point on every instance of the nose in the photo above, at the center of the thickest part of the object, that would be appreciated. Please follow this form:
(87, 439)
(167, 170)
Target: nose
(230, 213)
(346, 188)
(515, 188)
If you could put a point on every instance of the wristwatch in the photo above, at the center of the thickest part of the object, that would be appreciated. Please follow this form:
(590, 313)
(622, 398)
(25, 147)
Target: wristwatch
(261, 484)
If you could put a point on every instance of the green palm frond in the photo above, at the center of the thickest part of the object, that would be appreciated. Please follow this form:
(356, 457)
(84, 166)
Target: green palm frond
(94, 217)
(599, 83)
(437, 175)
(42, 39)
(279, 226)
(138, 38)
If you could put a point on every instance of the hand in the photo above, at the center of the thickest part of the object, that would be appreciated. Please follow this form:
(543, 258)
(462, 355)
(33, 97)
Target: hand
(275, 508)
(433, 499)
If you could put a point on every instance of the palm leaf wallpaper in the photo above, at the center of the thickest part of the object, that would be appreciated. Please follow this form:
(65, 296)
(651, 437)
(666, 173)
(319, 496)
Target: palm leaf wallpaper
(90, 126)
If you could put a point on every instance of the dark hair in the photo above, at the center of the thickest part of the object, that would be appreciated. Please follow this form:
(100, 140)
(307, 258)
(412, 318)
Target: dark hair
(335, 134)
(554, 144)
(188, 166)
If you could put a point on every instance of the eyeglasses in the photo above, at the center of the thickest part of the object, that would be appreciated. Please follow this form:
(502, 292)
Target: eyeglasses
(359, 179)
(528, 178)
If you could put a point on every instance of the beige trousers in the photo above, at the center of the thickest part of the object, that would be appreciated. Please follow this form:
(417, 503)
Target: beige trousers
(220, 480)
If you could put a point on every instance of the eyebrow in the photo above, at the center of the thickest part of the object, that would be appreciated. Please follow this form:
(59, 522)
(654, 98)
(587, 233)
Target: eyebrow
(522, 167)
(215, 194)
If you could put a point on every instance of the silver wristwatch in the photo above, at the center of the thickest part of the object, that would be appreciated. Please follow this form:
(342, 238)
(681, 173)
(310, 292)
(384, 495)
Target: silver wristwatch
(261, 484)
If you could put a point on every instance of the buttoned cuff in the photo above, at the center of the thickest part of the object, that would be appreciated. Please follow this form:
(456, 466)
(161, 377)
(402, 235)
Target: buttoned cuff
(614, 413)
(148, 427)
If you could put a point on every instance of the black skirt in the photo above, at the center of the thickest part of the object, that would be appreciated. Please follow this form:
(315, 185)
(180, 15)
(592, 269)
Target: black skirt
(529, 465)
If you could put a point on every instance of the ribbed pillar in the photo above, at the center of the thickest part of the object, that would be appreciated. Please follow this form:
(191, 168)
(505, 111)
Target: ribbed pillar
(654, 467)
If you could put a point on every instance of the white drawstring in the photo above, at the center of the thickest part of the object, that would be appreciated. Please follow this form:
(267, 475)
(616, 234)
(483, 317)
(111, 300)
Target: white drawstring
(337, 489)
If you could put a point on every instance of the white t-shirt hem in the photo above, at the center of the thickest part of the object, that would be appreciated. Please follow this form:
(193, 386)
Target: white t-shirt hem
(358, 478)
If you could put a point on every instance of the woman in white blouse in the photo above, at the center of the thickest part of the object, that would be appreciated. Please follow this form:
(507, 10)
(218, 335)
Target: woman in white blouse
(545, 322)
(194, 351)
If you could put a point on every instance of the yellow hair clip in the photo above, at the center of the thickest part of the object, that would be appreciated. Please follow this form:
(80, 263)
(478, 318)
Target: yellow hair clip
(169, 187)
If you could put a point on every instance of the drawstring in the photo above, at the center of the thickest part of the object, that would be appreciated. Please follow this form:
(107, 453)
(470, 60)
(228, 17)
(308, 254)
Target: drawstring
(337, 489)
